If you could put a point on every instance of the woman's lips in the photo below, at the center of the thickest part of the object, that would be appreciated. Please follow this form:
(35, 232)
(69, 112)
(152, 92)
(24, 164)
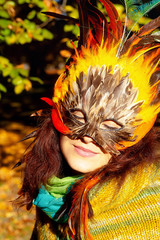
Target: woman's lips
(84, 152)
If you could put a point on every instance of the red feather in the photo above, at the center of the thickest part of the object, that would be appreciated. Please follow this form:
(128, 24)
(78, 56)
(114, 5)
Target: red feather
(97, 19)
(80, 199)
(115, 23)
(56, 117)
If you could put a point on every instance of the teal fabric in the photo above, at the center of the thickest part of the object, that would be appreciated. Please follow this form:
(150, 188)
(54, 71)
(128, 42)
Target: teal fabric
(51, 198)
(49, 204)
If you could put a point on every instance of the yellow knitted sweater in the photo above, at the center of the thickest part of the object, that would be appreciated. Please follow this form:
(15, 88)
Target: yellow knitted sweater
(131, 213)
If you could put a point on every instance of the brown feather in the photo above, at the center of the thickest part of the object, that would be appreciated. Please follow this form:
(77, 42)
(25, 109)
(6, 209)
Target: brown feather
(60, 16)
(83, 22)
(144, 32)
(30, 135)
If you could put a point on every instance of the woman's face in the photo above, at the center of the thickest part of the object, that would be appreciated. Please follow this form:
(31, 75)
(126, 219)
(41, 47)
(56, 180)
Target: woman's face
(83, 155)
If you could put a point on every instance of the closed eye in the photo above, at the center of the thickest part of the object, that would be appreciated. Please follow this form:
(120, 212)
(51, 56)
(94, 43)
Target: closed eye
(110, 124)
(79, 115)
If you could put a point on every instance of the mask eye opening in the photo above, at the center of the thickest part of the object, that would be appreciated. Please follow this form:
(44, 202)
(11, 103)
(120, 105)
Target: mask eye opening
(78, 114)
(111, 124)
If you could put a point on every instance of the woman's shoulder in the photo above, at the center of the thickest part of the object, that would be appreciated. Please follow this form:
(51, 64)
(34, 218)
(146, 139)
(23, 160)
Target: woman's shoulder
(138, 218)
(143, 180)
(133, 211)
(47, 228)
(44, 227)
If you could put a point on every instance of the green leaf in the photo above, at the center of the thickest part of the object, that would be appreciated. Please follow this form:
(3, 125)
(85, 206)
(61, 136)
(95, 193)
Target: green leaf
(36, 79)
(14, 73)
(4, 23)
(17, 81)
(41, 17)
(6, 71)
(29, 25)
(23, 72)
(2, 2)
(4, 61)
(73, 12)
(9, 4)
(2, 38)
(47, 34)
(19, 88)
(21, 1)
(5, 32)
(39, 3)
(23, 38)
(3, 88)
(37, 34)
(68, 28)
(11, 39)
(75, 30)
(68, 44)
(4, 14)
(31, 14)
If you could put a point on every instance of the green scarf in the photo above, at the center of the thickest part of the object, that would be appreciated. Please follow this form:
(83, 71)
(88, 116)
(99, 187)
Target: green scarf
(51, 197)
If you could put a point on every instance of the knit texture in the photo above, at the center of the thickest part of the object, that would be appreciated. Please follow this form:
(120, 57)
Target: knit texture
(131, 213)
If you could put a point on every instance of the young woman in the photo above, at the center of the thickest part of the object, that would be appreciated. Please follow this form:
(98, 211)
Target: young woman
(93, 171)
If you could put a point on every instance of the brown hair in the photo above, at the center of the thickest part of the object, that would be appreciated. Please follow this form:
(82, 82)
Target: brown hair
(41, 162)
(45, 160)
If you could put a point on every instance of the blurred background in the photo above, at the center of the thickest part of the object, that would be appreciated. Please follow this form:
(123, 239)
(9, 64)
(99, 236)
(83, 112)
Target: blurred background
(33, 52)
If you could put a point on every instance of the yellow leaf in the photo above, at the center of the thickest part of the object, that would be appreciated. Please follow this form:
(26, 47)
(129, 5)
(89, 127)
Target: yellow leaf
(5, 173)
(65, 53)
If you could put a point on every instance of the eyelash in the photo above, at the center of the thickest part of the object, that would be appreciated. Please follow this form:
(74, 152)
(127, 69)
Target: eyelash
(78, 117)
(81, 119)
(106, 126)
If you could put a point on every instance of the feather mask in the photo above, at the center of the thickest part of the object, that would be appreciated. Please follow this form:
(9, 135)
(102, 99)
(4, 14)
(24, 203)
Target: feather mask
(110, 89)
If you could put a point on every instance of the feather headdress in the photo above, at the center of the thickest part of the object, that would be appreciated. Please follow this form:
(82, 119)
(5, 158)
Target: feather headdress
(112, 81)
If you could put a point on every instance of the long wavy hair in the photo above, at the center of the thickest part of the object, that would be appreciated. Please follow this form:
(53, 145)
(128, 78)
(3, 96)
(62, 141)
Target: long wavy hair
(44, 160)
